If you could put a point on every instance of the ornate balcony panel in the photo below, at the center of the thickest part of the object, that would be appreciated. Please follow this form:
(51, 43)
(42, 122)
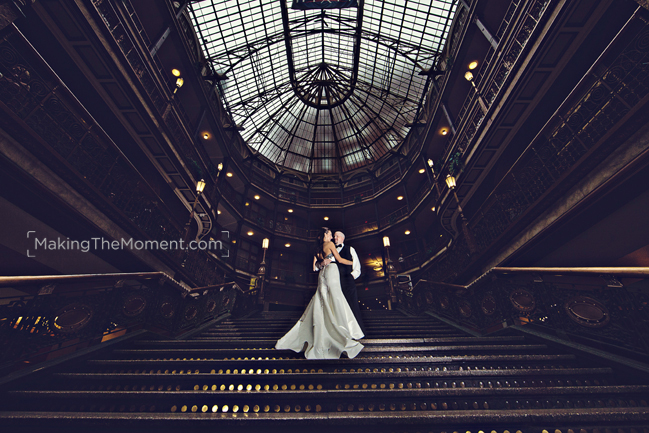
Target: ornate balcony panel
(56, 312)
(593, 305)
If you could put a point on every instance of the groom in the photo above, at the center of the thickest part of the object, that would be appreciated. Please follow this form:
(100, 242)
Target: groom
(348, 274)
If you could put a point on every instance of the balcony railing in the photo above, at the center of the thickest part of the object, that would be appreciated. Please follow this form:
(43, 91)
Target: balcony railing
(393, 217)
(597, 306)
(67, 139)
(361, 229)
(43, 317)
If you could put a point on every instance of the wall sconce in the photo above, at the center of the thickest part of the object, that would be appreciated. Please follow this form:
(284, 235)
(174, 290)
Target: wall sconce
(450, 181)
(200, 186)
(389, 271)
(434, 179)
(468, 235)
(179, 83)
(430, 164)
(261, 272)
(469, 77)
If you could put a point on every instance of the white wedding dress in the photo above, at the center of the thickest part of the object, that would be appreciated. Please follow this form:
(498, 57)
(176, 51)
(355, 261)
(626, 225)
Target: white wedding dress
(328, 326)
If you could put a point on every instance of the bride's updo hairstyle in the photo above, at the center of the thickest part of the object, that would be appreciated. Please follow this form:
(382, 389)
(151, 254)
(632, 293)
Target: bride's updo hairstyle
(319, 242)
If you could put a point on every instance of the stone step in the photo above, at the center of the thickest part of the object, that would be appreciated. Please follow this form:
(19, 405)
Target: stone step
(586, 420)
(216, 353)
(297, 361)
(625, 399)
(360, 379)
(270, 342)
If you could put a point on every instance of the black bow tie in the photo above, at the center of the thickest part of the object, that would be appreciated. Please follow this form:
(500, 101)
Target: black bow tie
(338, 246)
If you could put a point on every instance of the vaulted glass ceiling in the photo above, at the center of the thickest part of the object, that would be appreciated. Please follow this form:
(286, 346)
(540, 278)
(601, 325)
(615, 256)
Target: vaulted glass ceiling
(322, 90)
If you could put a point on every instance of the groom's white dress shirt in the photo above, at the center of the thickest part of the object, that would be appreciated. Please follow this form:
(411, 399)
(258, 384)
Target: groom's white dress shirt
(356, 264)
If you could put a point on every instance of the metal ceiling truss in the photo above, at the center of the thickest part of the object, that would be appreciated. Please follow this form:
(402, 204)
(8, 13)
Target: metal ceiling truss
(341, 90)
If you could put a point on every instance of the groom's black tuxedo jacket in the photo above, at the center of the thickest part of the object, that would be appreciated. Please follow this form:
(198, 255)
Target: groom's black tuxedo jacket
(348, 284)
(346, 277)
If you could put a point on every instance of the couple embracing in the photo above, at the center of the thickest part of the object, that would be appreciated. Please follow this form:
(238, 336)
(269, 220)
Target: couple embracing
(331, 323)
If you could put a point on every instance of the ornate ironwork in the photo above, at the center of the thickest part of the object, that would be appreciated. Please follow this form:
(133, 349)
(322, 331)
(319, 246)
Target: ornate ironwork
(83, 311)
(610, 317)
(571, 145)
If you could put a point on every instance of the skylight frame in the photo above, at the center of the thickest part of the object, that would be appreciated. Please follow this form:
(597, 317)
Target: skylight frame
(246, 41)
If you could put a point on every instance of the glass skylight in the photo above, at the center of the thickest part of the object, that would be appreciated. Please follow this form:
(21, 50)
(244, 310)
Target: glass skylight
(306, 102)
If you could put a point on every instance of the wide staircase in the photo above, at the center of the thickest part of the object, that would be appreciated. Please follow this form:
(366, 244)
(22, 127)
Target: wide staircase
(416, 374)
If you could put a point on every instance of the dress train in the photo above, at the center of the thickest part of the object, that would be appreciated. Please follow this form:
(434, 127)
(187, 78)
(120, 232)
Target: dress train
(328, 326)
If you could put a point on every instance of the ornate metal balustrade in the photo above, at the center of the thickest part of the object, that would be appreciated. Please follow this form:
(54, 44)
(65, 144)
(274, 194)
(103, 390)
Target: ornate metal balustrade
(369, 227)
(291, 229)
(605, 307)
(492, 75)
(124, 26)
(260, 219)
(357, 195)
(585, 130)
(425, 188)
(232, 196)
(46, 316)
(42, 114)
(393, 217)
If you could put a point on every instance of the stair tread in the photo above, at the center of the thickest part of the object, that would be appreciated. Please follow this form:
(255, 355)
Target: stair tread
(370, 349)
(358, 359)
(359, 374)
(399, 418)
(346, 394)
(371, 340)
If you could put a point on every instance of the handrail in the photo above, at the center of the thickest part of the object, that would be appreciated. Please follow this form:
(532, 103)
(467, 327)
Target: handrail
(98, 307)
(447, 285)
(553, 160)
(639, 272)
(16, 281)
(234, 285)
(597, 306)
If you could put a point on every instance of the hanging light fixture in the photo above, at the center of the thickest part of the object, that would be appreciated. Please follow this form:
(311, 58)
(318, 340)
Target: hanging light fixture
(450, 181)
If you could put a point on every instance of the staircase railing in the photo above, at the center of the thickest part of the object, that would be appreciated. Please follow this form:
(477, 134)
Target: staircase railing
(43, 317)
(607, 308)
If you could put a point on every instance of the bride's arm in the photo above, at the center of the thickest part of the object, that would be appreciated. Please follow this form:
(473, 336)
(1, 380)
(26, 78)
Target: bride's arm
(315, 268)
(339, 259)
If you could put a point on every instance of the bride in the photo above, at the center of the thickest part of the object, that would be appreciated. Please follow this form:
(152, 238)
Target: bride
(328, 327)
